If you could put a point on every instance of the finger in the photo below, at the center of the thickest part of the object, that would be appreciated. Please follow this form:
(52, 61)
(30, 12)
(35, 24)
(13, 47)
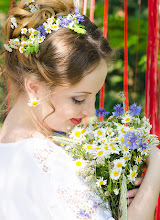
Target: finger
(129, 201)
(138, 181)
(131, 193)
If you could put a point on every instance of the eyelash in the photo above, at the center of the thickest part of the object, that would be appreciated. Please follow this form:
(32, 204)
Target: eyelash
(77, 101)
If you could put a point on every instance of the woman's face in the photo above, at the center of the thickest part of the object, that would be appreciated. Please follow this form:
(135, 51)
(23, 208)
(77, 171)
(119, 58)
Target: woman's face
(72, 104)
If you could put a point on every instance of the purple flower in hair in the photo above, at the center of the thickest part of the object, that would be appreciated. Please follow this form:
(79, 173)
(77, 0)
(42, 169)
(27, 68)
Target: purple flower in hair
(76, 11)
(63, 22)
(42, 30)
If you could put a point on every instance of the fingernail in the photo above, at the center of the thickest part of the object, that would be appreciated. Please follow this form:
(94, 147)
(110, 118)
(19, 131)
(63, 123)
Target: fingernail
(137, 181)
(128, 194)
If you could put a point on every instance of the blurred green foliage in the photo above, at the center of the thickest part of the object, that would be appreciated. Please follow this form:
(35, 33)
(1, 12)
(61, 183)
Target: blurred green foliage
(114, 81)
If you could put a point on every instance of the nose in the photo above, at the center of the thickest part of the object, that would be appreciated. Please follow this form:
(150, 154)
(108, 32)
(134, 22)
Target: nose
(89, 108)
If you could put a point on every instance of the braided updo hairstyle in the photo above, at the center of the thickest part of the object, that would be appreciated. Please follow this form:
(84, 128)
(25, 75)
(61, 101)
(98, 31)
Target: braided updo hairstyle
(64, 57)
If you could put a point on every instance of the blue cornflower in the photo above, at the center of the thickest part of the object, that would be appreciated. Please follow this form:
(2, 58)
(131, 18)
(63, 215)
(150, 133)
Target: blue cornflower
(118, 110)
(83, 214)
(122, 94)
(144, 146)
(132, 140)
(101, 112)
(135, 110)
(42, 30)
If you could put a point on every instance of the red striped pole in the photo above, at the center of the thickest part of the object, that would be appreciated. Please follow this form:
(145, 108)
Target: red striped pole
(92, 7)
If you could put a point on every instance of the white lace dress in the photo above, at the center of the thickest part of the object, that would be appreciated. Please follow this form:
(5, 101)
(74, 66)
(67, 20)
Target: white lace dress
(38, 181)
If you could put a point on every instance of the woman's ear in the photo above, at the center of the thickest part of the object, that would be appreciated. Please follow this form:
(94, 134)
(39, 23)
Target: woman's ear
(32, 87)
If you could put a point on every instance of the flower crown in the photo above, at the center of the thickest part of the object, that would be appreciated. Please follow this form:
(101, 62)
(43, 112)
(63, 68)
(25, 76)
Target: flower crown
(30, 39)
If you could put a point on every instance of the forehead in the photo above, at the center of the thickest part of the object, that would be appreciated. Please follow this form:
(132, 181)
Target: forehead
(91, 83)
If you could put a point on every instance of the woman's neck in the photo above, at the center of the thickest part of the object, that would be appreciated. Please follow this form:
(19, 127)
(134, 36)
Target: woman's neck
(19, 124)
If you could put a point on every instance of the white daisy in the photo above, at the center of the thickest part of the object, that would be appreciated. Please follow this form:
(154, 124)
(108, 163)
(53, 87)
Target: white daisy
(24, 43)
(51, 20)
(32, 38)
(132, 176)
(34, 102)
(116, 191)
(114, 149)
(31, 30)
(41, 39)
(8, 48)
(126, 119)
(115, 173)
(119, 163)
(24, 30)
(138, 160)
(55, 27)
(34, 8)
(101, 182)
(126, 157)
(21, 49)
(29, 2)
(14, 23)
(16, 41)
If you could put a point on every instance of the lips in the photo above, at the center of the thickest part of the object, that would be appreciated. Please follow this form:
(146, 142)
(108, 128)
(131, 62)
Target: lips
(76, 121)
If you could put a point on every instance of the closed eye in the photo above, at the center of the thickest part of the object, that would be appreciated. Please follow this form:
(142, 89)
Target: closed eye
(78, 101)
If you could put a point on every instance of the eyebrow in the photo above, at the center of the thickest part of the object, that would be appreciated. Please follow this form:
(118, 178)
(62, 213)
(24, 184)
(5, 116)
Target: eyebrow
(84, 92)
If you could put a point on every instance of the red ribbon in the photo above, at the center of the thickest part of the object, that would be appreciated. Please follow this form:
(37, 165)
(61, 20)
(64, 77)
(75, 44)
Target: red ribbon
(105, 26)
(125, 77)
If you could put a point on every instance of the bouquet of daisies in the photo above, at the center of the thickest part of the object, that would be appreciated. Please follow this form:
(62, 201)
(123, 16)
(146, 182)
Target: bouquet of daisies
(110, 154)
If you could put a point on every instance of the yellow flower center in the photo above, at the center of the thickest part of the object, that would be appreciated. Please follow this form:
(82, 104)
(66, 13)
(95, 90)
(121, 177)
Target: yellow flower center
(48, 29)
(114, 148)
(119, 164)
(122, 129)
(116, 173)
(89, 147)
(78, 163)
(77, 133)
(126, 148)
(127, 119)
(122, 139)
(35, 102)
(106, 147)
(126, 157)
(99, 132)
(97, 148)
(101, 182)
(133, 174)
(55, 26)
(83, 131)
(100, 153)
(138, 159)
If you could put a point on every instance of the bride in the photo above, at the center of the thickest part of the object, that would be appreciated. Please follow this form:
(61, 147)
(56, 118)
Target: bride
(56, 63)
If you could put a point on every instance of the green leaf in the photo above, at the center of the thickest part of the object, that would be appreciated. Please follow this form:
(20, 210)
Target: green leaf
(80, 29)
(36, 46)
(28, 50)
